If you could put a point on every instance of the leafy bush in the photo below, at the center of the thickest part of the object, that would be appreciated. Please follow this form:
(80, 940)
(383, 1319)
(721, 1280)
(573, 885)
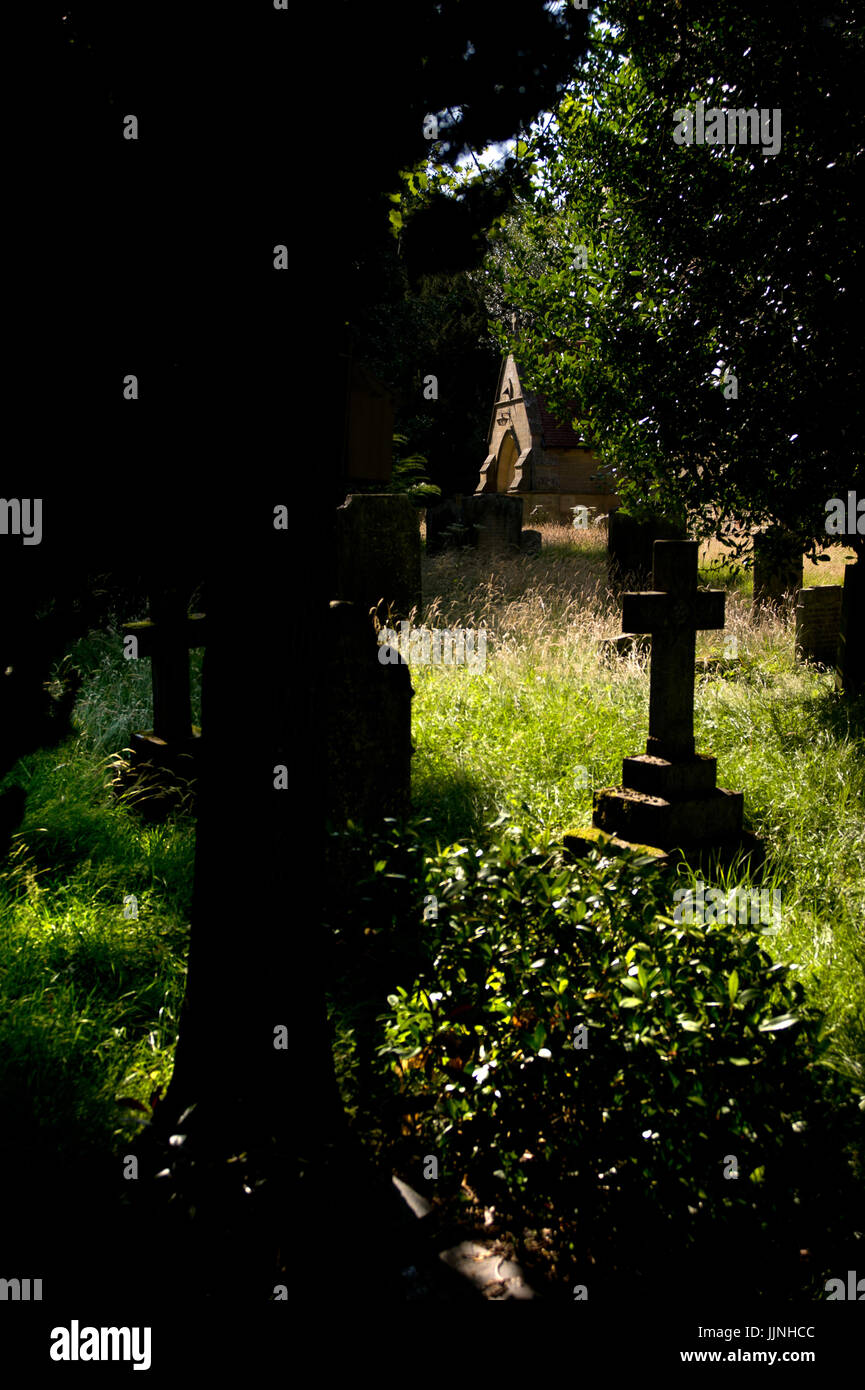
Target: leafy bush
(577, 1055)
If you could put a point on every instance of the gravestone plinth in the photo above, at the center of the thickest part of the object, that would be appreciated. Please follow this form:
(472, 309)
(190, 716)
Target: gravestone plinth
(164, 775)
(713, 818)
(365, 709)
(669, 799)
(378, 553)
(646, 772)
(818, 624)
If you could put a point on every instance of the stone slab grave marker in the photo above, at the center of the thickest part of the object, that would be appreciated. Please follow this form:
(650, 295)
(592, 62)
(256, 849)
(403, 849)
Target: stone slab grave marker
(489, 523)
(377, 556)
(850, 663)
(630, 545)
(818, 623)
(669, 799)
(168, 752)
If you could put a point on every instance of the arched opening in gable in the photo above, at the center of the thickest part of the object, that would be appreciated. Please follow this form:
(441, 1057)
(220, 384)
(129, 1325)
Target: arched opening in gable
(506, 465)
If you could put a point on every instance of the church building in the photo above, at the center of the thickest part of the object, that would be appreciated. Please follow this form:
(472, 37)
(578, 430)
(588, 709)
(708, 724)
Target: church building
(531, 455)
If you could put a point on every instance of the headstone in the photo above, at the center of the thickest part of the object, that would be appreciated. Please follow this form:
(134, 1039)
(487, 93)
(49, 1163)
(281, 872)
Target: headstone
(850, 667)
(163, 762)
(447, 527)
(818, 623)
(365, 707)
(378, 553)
(630, 542)
(668, 797)
(498, 522)
(489, 522)
(531, 542)
(777, 566)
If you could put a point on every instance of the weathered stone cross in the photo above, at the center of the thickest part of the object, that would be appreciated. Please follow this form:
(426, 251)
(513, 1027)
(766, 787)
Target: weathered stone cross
(673, 613)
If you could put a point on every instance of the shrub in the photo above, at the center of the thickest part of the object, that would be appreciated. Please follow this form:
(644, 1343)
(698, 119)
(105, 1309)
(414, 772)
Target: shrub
(695, 1057)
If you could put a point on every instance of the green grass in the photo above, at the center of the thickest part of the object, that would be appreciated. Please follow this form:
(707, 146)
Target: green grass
(89, 995)
(89, 999)
(550, 719)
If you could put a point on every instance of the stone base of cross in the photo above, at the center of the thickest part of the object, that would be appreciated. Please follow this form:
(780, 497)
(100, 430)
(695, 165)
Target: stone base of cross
(161, 777)
(669, 797)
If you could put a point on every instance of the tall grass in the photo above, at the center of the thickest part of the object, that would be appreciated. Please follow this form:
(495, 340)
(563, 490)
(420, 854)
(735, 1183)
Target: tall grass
(89, 998)
(89, 994)
(551, 717)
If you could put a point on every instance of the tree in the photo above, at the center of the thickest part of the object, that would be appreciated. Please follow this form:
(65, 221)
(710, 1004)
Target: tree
(168, 265)
(702, 301)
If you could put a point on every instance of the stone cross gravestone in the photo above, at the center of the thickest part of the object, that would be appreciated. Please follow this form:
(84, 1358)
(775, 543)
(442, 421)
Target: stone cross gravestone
(169, 749)
(669, 798)
(673, 613)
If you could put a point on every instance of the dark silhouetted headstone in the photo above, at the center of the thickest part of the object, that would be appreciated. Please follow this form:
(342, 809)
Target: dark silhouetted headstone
(850, 667)
(630, 542)
(491, 523)
(377, 539)
(818, 623)
(163, 759)
(365, 708)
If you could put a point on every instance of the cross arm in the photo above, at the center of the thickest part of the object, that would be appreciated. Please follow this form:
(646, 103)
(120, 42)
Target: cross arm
(657, 611)
(150, 634)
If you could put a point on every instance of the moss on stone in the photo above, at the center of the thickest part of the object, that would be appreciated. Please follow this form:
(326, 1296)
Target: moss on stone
(601, 840)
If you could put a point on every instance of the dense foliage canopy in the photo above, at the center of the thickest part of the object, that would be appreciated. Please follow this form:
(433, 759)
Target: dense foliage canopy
(700, 303)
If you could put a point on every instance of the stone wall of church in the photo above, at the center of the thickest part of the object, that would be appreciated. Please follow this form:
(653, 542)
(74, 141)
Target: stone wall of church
(577, 469)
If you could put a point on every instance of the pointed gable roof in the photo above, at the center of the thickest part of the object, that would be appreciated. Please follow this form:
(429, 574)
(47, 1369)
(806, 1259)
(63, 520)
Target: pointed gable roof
(510, 390)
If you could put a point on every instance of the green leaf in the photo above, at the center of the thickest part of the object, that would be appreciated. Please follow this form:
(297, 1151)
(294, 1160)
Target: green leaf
(733, 986)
